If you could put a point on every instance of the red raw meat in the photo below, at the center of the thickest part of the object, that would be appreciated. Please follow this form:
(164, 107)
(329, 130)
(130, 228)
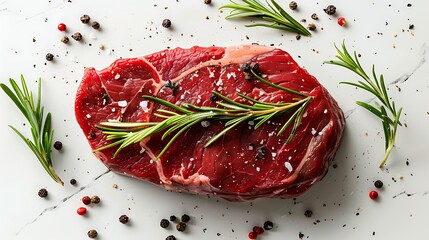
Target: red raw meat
(228, 168)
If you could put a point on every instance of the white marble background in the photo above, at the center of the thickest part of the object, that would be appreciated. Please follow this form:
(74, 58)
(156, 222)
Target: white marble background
(340, 204)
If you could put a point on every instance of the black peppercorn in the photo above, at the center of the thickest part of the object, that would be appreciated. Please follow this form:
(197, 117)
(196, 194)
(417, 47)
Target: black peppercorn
(249, 77)
(95, 25)
(411, 26)
(173, 218)
(298, 37)
(378, 184)
(166, 23)
(213, 98)
(92, 233)
(164, 223)
(268, 225)
(43, 193)
(171, 237)
(65, 39)
(181, 226)
(95, 199)
(123, 219)
(73, 181)
(311, 26)
(207, 1)
(308, 213)
(49, 57)
(330, 10)
(314, 16)
(293, 5)
(301, 235)
(255, 67)
(77, 36)
(58, 145)
(185, 218)
(85, 19)
(245, 67)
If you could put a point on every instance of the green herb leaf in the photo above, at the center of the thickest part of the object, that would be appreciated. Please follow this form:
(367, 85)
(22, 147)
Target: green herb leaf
(387, 112)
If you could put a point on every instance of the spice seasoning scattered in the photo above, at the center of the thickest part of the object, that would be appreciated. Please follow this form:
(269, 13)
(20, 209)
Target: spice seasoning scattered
(65, 39)
(213, 98)
(77, 36)
(58, 145)
(49, 57)
(330, 10)
(73, 181)
(301, 235)
(268, 225)
(373, 195)
(293, 5)
(207, 1)
(92, 233)
(166, 23)
(85, 19)
(245, 67)
(311, 27)
(252, 235)
(249, 77)
(185, 218)
(123, 219)
(95, 25)
(95, 199)
(43, 193)
(341, 21)
(378, 184)
(258, 230)
(62, 27)
(164, 223)
(298, 37)
(173, 218)
(86, 200)
(81, 211)
(308, 213)
(314, 16)
(171, 237)
(411, 26)
(181, 226)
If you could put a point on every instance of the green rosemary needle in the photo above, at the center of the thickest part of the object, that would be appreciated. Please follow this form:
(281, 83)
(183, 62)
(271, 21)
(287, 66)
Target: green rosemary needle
(187, 115)
(41, 130)
(277, 17)
(386, 111)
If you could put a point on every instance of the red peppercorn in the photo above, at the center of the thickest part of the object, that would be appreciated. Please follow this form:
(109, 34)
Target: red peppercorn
(253, 235)
(62, 27)
(341, 21)
(373, 195)
(81, 211)
(258, 230)
(86, 200)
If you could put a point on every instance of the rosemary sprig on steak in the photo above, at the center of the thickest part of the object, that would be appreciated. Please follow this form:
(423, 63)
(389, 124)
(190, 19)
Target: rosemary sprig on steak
(277, 17)
(187, 115)
(386, 111)
(41, 130)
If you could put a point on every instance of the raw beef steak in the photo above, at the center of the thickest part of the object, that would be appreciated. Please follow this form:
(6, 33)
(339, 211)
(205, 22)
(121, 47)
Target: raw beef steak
(231, 167)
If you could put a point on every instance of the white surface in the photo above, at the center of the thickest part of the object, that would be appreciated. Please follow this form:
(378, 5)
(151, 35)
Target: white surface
(377, 29)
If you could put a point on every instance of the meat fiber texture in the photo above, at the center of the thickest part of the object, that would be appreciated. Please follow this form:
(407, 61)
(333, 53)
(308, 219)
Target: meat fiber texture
(229, 167)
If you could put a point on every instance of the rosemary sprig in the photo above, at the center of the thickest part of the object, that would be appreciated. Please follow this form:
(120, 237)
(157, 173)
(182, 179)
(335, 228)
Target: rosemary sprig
(41, 130)
(187, 115)
(277, 17)
(387, 111)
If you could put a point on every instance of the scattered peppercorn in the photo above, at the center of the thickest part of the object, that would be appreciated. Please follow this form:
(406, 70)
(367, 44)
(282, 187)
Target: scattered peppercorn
(43, 193)
(268, 225)
(293, 5)
(298, 37)
(95, 199)
(58, 145)
(77, 36)
(171, 237)
(123, 219)
(62, 27)
(49, 57)
(311, 26)
(411, 26)
(95, 25)
(308, 213)
(330, 10)
(164, 223)
(213, 98)
(341, 21)
(86, 200)
(245, 67)
(300, 235)
(249, 77)
(255, 67)
(172, 217)
(378, 184)
(65, 39)
(409, 5)
(314, 16)
(252, 235)
(166, 23)
(81, 211)
(207, 1)
(73, 181)
(373, 195)
(181, 226)
(92, 233)
(185, 218)
(258, 230)
(85, 19)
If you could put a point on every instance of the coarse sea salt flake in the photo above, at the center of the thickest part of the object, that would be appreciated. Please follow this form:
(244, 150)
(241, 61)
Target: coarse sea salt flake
(122, 103)
(205, 123)
(313, 131)
(258, 169)
(326, 111)
(117, 76)
(88, 116)
(143, 105)
(288, 166)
